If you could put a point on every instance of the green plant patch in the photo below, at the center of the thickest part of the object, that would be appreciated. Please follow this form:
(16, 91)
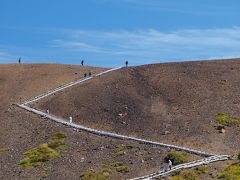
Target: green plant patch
(121, 167)
(59, 135)
(232, 172)
(120, 153)
(2, 130)
(36, 156)
(120, 149)
(4, 150)
(176, 158)
(201, 170)
(185, 176)
(44, 152)
(57, 144)
(225, 120)
(91, 175)
(130, 146)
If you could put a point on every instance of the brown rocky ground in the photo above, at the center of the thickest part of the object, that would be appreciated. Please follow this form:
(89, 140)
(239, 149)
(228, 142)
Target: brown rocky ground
(21, 131)
(174, 103)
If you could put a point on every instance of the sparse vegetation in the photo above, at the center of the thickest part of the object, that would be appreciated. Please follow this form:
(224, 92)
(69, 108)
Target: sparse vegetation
(225, 120)
(120, 167)
(232, 172)
(57, 141)
(106, 172)
(120, 149)
(91, 175)
(44, 152)
(201, 170)
(2, 130)
(185, 176)
(176, 158)
(177, 172)
(4, 150)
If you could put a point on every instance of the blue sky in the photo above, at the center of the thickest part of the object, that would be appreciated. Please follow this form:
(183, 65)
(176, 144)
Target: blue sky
(108, 32)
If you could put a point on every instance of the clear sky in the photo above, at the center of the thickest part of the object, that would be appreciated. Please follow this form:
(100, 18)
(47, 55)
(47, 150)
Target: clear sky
(108, 32)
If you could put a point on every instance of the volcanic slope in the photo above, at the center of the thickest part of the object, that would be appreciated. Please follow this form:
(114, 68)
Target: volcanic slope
(21, 131)
(175, 103)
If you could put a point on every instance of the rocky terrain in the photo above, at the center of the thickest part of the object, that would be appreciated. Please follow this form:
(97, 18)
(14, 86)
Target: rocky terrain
(175, 103)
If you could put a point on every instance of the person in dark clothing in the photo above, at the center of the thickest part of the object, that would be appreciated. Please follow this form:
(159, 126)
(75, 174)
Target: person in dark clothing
(126, 64)
(19, 61)
(90, 74)
(85, 74)
(82, 62)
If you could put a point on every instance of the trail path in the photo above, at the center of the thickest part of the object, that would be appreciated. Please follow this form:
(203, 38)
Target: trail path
(210, 156)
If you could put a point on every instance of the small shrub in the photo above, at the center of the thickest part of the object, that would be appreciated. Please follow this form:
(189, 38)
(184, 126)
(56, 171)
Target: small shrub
(59, 135)
(232, 172)
(222, 119)
(121, 167)
(2, 130)
(185, 176)
(91, 175)
(57, 144)
(225, 120)
(190, 176)
(201, 170)
(44, 152)
(176, 158)
(4, 150)
(36, 156)
(120, 149)
(130, 146)
(120, 153)
(177, 172)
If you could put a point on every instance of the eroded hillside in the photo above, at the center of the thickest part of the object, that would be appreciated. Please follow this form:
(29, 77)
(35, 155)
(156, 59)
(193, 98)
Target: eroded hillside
(173, 103)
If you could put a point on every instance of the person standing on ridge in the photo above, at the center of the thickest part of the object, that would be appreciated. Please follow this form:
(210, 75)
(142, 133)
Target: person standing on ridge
(126, 64)
(82, 62)
(19, 61)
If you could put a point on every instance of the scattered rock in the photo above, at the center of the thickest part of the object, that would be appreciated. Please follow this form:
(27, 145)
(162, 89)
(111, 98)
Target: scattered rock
(166, 132)
(222, 131)
(82, 159)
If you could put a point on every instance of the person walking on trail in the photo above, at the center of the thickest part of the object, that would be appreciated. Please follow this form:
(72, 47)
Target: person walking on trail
(90, 74)
(162, 169)
(126, 64)
(82, 62)
(169, 164)
(85, 75)
(19, 61)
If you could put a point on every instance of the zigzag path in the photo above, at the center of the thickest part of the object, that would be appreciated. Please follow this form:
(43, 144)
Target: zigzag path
(210, 156)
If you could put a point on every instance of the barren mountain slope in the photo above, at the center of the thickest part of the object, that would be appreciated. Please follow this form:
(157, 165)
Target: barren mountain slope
(21, 131)
(173, 103)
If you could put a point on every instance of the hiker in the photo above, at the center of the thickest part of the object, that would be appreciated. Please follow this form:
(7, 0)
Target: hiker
(85, 75)
(19, 61)
(162, 169)
(169, 164)
(90, 74)
(47, 111)
(70, 119)
(126, 64)
(82, 62)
